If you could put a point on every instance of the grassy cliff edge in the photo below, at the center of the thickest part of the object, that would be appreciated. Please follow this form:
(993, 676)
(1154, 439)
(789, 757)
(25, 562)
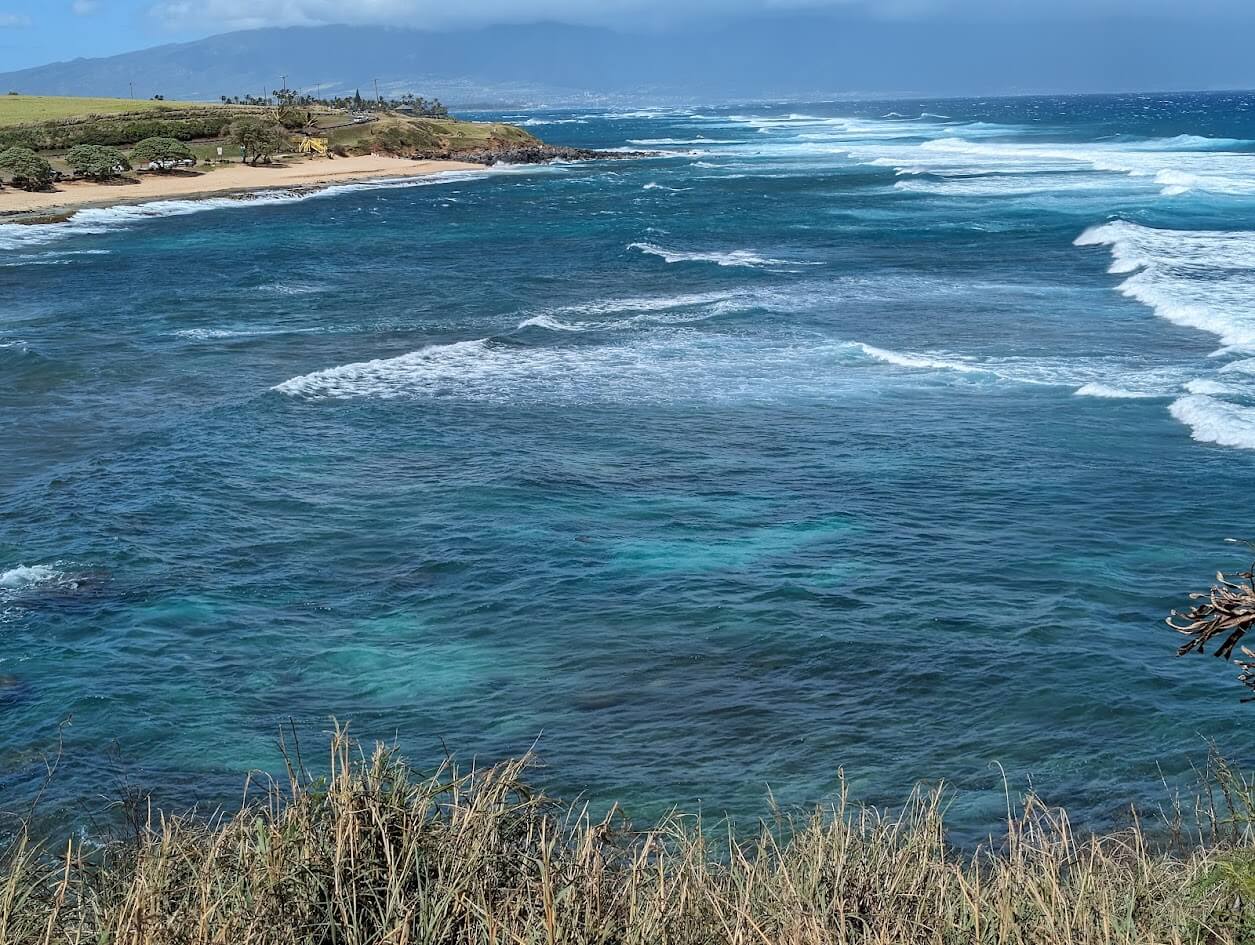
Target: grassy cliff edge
(371, 852)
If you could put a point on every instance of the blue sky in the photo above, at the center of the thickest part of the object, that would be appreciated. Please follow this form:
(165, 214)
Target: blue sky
(33, 32)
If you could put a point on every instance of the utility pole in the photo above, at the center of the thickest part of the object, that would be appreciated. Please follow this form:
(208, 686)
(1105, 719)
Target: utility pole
(377, 98)
(285, 82)
(132, 85)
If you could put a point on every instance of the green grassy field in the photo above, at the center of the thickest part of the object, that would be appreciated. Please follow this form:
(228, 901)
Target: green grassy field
(29, 109)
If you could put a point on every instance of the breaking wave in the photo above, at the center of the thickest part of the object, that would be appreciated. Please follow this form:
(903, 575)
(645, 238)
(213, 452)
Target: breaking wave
(1196, 278)
(25, 576)
(99, 220)
(1108, 392)
(736, 257)
(1216, 421)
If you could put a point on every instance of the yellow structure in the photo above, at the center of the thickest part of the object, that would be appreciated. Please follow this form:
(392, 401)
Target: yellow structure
(310, 145)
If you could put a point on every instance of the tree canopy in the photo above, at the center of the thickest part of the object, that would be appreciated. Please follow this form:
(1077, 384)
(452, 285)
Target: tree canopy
(97, 162)
(260, 138)
(26, 169)
(162, 153)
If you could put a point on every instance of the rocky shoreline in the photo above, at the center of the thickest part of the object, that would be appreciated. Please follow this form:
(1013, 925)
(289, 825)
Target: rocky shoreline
(539, 153)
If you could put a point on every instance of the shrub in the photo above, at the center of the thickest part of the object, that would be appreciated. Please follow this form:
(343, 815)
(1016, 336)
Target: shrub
(162, 153)
(96, 162)
(119, 130)
(259, 137)
(26, 169)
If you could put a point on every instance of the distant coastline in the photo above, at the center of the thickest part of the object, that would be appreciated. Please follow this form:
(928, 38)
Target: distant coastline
(17, 206)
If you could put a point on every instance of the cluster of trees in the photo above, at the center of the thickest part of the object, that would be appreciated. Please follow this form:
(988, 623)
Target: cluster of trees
(27, 169)
(97, 162)
(258, 137)
(289, 98)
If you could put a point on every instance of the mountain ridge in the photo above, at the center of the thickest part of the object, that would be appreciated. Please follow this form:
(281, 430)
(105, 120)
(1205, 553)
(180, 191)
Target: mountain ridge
(795, 57)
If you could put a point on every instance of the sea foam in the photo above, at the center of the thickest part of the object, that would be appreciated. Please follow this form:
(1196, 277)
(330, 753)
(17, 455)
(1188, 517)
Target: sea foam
(1107, 392)
(28, 575)
(736, 257)
(1216, 421)
(99, 220)
(1200, 279)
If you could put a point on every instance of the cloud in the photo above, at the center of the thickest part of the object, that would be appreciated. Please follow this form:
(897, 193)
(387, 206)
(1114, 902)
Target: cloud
(84, 7)
(13, 20)
(223, 15)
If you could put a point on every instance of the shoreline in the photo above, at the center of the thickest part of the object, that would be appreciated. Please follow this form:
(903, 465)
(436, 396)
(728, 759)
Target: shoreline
(19, 206)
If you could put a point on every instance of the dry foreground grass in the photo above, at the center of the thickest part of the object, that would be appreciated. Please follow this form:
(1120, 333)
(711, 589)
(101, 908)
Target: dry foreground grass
(373, 853)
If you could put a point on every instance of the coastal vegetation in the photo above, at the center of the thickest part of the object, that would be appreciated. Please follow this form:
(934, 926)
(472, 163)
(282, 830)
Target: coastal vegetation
(53, 125)
(26, 169)
(370, 851)
(259, 139)
(161, 136)
(163, 154)
(186, 124)
(96, 162)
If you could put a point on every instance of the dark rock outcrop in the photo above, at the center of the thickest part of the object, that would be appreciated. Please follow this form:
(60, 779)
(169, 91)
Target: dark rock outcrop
(526, 154)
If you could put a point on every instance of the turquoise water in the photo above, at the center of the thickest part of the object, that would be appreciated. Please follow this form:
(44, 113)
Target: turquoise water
(878, 436)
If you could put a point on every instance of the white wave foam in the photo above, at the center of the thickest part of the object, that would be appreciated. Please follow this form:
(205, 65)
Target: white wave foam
(291, 288)
(551, 323)
(736, 257)
(911, 360)
(1089, 377)
(1212, 388)
(1242, 366)
(996, 185)
(654, 185)
(1176, 166)
(1194, 143)
(665, 310)
(217, 334)
(669, 366)
(14, 236)
(26, 576)
(677, 363)
(1199, 279)
(1113, 393)
(423, 371)
(657, 141)
(1216, 421)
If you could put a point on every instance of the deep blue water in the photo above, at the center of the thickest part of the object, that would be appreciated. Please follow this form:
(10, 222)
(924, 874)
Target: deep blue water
(878, 436)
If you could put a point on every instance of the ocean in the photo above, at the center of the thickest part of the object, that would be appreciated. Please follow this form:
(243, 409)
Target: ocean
(875, 438)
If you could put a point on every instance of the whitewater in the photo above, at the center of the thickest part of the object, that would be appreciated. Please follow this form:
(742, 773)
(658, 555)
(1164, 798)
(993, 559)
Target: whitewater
(878, 436)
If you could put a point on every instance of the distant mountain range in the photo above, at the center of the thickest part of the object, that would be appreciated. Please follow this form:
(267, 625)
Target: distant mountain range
(792, 56)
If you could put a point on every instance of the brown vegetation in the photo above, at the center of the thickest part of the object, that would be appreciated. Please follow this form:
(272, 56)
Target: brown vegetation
(1228, 611)
(372, 853)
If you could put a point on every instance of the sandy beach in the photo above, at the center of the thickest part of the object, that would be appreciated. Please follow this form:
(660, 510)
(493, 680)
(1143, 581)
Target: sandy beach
(223, 179)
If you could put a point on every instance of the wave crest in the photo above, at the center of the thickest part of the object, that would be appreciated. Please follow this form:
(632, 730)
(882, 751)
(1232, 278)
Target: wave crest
(747, 258)
(1216, 421)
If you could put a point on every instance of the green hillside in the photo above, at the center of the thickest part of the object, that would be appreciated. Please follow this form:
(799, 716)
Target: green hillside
(34, 109)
